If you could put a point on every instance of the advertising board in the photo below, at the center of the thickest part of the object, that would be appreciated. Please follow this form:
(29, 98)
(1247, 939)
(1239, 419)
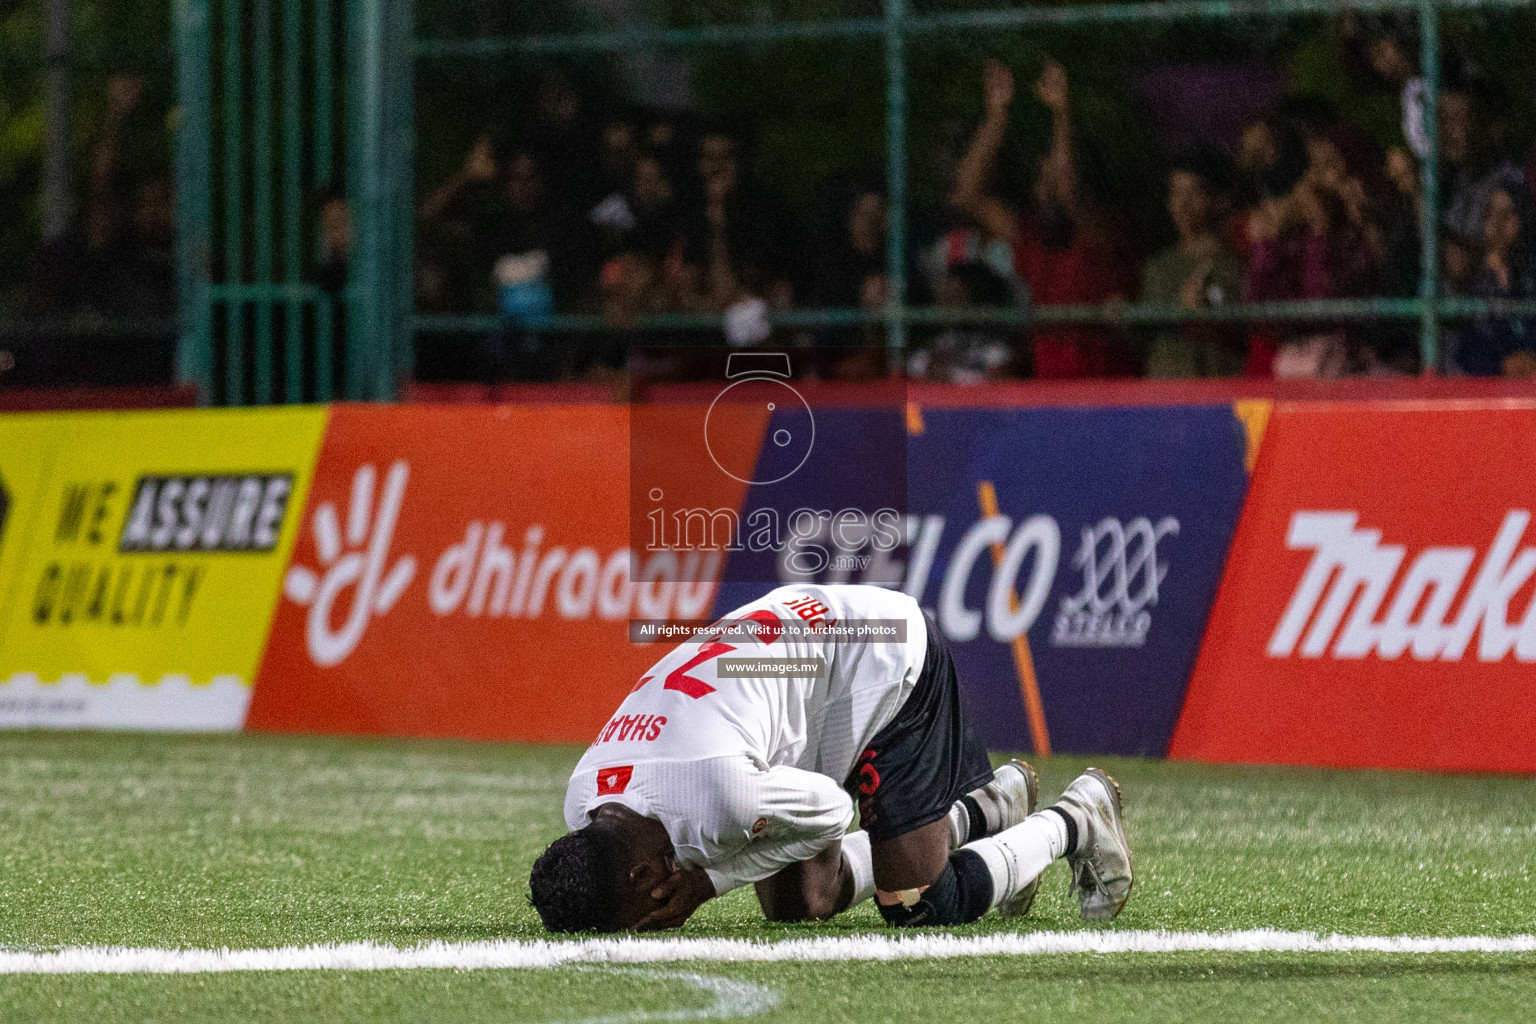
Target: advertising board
(470, 572)
(140, 557)
(1377, 609)
(1069, 555)
(466, 572)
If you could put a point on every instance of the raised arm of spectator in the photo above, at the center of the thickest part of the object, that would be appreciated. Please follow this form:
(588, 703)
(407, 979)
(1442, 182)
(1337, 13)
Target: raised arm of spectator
(479, 165)
(1058, 172)
(972, 193)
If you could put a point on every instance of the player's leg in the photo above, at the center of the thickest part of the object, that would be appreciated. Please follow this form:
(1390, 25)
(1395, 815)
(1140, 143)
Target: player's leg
(1003, 871)
(919, 766)
(915, 877)
(908, 782)
(921, 882)
(907, 863)
(843, 877)
(911, 860)
(1002, 803)
(1086, 828)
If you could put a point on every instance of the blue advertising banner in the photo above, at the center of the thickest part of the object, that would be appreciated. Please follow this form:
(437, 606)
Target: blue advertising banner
(1097, 536)
(1070, 555)
(825, 521)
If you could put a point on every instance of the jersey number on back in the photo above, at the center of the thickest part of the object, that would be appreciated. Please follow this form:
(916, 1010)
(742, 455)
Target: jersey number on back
(679, 679)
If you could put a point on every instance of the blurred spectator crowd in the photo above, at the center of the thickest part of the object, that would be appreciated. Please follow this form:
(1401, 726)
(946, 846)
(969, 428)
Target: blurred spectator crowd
(626, 213)
(104, 290)
(645, 212)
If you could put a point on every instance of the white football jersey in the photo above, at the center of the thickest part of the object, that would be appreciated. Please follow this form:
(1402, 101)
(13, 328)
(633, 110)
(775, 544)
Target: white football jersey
(746, 773)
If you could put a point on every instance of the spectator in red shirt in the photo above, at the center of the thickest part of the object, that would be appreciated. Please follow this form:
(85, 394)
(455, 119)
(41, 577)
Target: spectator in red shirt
(1066, 247)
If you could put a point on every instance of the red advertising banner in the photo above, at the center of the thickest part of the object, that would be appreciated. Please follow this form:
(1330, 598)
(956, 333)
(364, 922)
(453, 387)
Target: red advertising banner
(467, 572)
(1377, 606)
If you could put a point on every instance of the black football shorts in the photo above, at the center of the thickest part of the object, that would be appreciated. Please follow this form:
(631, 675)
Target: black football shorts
(925, 759)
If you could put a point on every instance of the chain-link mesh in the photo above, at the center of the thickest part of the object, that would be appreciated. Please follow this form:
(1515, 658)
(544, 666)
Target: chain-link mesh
(1292, 137)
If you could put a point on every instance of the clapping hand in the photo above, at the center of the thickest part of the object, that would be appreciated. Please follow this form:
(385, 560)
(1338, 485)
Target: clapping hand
(997, 86)
(1051, 87)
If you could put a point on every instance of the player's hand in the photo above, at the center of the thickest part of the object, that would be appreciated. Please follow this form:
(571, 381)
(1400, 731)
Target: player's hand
(681, 894)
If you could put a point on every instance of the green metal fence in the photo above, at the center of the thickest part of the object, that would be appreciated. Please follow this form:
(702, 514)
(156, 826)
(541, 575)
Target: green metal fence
(283, 108)
(380, 53)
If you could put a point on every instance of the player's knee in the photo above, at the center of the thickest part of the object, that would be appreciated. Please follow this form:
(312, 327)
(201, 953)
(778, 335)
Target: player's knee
(961, 894)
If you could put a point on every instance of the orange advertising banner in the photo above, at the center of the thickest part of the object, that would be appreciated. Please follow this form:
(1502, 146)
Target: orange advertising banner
(1379, 603)
(467, 572)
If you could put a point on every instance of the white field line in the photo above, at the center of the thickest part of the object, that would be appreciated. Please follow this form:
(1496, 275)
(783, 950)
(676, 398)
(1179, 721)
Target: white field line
(367, 956)
(729, 998)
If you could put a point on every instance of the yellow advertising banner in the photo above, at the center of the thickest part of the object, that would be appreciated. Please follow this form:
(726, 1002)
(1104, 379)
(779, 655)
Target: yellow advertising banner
(140, 560)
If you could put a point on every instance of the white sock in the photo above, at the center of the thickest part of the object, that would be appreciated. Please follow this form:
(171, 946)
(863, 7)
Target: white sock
(1016, 856)
(861, 861)
(959, 825)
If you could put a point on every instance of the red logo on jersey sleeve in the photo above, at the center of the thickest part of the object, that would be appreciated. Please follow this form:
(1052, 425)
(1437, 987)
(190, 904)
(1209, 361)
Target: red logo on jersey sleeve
(613, 780)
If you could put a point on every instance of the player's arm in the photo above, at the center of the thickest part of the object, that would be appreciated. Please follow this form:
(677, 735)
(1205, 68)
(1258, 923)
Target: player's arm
(793, 816)
(766, 821)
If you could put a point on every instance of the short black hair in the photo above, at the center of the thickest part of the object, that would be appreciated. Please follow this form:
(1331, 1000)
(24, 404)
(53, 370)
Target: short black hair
(1398, 28)
(1307, 116)
(575, 882)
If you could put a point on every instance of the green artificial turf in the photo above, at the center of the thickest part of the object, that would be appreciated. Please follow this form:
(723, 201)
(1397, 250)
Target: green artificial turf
(247, 841)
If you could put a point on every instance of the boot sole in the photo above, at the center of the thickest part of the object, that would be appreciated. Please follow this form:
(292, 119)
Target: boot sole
(1031, 785)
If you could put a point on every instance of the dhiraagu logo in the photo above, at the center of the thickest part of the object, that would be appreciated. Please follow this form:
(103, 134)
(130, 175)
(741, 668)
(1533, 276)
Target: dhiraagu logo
(485, 574)
(358, 565)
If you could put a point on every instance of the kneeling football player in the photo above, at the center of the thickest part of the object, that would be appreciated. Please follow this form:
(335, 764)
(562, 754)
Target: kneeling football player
(703, 782)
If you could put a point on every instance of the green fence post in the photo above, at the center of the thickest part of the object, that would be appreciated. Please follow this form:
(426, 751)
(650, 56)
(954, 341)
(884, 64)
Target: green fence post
(262, 226)
(194, 198)
(364, 94)
(234, 205)
(1429, 218)
(896, 181)
(293, 199)
(379, 98)
(324, 113)
(402, 154)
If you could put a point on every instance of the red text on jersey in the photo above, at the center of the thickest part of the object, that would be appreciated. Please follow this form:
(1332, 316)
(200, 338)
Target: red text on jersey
(811, 610)
(640, 728)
